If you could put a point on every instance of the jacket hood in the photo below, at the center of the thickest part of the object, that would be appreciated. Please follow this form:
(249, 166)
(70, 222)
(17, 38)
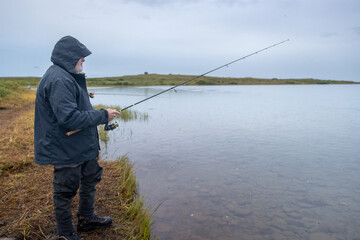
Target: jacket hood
(67, 52)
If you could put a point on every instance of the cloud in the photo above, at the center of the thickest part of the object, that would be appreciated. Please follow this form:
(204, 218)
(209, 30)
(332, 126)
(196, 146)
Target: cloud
(356, 30)
(329, 34)
(156, 3)
(184, 36)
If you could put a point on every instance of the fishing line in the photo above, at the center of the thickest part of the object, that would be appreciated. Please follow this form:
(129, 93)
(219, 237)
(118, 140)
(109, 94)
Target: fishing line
(206, 73)
(115, 125)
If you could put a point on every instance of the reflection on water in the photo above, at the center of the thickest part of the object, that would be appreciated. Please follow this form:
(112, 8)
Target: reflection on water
(245, 162)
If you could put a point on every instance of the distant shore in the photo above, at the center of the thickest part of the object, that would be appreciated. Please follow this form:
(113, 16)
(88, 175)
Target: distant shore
(172, 79)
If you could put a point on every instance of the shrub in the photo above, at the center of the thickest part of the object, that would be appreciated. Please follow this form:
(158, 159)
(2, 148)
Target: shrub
(12, 86)
(3, 92)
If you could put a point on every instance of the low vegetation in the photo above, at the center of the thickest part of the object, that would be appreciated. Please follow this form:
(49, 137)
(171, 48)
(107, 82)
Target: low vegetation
(20, 81)
(172, 79)
(157, 79)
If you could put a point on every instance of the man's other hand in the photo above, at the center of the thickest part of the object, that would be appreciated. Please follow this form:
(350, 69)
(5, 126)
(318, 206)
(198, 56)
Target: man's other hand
(112, 113)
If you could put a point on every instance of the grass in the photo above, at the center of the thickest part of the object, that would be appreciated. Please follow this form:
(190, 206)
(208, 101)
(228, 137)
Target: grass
(16, 138)
(125, 116)
(26, 208)
(13, 95)
(22, 81)
(103, 135)
(174, 79)
(171, 79)
(136, 211)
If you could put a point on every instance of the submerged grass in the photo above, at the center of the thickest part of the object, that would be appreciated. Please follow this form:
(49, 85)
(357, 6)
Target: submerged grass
(126, 115)
(26, 208)
(103, 135)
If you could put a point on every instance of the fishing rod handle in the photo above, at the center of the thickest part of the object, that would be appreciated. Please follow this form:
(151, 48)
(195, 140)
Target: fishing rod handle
(107, 127)
(72, 132)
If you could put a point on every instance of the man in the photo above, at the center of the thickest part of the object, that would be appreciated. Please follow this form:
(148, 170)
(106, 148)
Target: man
(63, 105)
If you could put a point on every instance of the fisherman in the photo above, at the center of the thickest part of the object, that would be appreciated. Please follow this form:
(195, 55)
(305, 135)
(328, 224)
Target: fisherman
(63, 105)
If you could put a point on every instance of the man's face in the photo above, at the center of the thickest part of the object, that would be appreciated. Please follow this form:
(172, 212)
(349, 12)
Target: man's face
(79, 65)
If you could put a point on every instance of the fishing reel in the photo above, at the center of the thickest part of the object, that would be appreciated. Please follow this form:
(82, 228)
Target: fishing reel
(111, 127)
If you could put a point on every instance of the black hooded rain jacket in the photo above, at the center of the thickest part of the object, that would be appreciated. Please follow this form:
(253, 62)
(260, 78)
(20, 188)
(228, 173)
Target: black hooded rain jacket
(63, 105)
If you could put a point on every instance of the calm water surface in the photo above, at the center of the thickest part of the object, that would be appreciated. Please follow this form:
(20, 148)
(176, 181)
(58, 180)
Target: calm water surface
(245, 162)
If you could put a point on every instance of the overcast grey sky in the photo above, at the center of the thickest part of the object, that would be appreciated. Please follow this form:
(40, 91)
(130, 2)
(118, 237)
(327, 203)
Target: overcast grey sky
(130, 37)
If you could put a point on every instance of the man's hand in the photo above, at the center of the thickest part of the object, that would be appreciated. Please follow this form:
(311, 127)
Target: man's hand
(112, 113)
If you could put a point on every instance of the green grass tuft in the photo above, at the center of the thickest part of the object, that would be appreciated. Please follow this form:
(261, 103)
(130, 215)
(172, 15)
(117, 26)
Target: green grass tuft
(136, 211)
(127, 115)
(103, 135)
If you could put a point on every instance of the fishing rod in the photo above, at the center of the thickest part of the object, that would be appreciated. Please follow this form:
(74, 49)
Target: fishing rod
(213, 70)
(115, 125)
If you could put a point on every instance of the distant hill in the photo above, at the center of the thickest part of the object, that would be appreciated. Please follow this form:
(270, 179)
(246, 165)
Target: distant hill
(157, 79)
(170, 79)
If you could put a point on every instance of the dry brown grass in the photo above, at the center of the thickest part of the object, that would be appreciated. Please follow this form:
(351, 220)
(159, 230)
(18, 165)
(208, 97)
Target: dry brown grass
(26, 207)
(16, 134)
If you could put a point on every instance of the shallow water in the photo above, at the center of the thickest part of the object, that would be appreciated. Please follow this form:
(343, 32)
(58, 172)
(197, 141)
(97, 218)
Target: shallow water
(245, 162)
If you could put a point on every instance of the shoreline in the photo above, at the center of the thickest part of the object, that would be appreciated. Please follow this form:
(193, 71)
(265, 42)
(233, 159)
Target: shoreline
(174, 79)
(26, 208)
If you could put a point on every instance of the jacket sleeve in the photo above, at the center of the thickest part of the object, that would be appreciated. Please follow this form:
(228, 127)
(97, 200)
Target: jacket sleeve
(62, 98)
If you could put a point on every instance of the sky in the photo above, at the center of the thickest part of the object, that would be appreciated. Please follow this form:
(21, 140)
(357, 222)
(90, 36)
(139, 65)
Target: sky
(130, 37)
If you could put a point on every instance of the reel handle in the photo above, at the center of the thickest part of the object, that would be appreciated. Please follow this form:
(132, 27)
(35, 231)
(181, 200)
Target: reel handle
(107, 127)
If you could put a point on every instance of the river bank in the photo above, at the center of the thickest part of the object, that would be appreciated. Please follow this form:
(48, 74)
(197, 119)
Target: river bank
(175, 79)
(26, 208)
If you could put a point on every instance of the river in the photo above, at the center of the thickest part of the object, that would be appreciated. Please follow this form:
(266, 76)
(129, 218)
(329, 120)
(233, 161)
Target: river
(244, 162)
